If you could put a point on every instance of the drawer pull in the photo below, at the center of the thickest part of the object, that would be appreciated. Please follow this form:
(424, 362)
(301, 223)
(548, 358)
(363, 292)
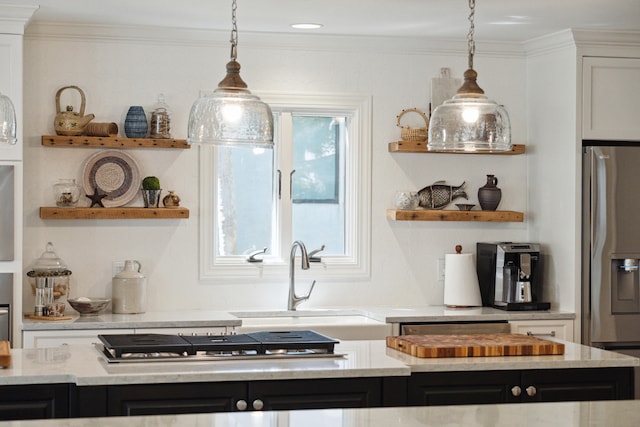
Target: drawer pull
(241, 405)
(516, 391)
(543, 334)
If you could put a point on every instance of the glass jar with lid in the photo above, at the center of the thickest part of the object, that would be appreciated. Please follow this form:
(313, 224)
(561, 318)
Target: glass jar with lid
(66, 193)
(49, 277)
(160, 120)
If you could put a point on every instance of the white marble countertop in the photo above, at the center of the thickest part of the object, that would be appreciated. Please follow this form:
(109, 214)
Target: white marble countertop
(84, 365)
(206, 318)
(623, 413)
(158, 319)
(442, 313)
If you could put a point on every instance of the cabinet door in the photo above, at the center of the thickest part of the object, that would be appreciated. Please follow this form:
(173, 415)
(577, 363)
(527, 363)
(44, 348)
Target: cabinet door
(463, 388)
(158, 399)
(561, 385)
(34, 401)
(611, 88)
(562, 329)
(315, 394)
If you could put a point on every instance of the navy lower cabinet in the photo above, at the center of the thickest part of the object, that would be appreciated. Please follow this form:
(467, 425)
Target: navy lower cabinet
(315, 394)
(41, 401)
(577, 385)
(156, 399)
(552, 385)
(23, 402)
(187, 398)
(461, 388)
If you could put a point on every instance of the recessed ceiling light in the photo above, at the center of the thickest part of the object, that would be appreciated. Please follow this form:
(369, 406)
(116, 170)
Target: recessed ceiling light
(306, 26)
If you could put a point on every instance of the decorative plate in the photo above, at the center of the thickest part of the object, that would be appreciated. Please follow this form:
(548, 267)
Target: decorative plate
(113, 173)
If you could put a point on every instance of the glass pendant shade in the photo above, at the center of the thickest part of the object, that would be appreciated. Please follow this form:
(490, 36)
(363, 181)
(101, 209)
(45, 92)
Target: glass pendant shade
(469, 122)
(230, 116)
(7, 121)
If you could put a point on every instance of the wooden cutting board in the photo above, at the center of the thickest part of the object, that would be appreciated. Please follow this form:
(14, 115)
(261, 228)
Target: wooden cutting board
(474, 345)
(5, 354)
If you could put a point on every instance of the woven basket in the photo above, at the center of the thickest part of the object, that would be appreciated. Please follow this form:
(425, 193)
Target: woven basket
(408, 133)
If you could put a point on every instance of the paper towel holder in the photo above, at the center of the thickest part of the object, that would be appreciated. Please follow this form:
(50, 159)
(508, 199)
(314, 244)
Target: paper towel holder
(461, 288)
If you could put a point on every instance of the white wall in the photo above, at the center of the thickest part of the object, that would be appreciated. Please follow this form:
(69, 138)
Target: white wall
(121, 67)
(554, 171)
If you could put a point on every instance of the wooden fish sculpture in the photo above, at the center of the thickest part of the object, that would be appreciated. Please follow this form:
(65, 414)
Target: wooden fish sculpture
(438, 195)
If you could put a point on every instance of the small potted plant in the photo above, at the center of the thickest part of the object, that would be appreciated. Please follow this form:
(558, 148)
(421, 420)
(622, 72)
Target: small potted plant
(151, 191)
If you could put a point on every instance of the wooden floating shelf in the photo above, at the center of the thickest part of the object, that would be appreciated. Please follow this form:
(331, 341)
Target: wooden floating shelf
(421, 147)
(112, 142)
(450, 215)
(113, 213)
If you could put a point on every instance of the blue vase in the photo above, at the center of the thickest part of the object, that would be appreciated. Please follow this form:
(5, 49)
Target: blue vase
(135, 124)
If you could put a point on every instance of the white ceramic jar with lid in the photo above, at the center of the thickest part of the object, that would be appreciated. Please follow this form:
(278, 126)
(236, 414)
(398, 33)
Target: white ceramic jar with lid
(129, 289)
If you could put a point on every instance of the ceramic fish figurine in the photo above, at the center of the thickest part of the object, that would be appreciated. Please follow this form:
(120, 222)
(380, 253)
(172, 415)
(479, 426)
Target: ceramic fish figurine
(438, 195)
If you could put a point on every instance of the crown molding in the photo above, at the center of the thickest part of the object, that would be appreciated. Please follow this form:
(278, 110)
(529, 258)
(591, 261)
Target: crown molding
(583, 39)
(331, 43)
(14, 18)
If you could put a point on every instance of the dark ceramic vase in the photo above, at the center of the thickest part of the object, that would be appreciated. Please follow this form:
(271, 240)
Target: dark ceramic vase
(490, 195)
(135, 124)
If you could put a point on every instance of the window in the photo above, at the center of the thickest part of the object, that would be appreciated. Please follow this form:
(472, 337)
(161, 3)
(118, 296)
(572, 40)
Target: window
(314, 187)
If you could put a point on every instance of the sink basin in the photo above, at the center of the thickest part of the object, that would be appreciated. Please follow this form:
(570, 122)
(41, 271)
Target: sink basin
(338, 324)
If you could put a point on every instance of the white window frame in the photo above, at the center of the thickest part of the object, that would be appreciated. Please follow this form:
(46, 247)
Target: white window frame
(356, 263)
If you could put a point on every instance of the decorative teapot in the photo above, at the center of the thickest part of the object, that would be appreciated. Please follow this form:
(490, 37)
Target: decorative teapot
(69, 122)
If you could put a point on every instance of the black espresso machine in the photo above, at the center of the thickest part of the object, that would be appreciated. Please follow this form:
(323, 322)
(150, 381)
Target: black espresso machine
(510, 276)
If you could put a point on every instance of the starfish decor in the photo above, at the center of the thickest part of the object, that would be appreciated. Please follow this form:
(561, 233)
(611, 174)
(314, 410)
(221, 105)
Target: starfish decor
(96, 198)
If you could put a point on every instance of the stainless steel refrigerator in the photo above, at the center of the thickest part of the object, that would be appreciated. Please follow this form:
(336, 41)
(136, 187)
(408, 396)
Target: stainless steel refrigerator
(611, 247)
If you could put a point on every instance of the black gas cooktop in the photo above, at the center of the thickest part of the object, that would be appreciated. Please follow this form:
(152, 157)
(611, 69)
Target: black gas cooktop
(160, 347)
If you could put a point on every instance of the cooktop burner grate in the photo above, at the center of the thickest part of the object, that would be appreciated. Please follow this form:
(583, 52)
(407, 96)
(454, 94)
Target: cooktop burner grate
(272, 344)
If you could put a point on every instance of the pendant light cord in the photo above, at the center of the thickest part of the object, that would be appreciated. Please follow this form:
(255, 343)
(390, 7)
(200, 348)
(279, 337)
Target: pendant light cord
(234, 31)
(471, 44)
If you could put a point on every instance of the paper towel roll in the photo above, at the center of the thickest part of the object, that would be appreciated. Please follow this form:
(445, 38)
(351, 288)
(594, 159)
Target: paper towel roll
(461, 287)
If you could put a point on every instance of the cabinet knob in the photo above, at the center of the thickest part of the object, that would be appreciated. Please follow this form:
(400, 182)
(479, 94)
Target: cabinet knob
(241, 405)
(258, 405)
(531, 391)
(516, 390)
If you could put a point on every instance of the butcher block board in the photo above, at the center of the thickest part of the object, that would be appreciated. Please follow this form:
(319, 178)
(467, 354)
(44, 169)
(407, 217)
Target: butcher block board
(5, 354)
(474, 345)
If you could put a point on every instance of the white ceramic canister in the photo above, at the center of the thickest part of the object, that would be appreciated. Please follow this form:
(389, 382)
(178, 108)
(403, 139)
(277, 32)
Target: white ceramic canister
(129, 289)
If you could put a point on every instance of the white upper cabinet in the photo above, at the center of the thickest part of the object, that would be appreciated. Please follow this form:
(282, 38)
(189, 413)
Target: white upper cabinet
(611, 90)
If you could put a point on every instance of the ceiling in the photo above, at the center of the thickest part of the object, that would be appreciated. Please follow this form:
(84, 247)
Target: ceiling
(499, 20)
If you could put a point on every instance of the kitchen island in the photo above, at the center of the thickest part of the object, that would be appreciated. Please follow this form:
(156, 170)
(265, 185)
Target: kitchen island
(76, 381)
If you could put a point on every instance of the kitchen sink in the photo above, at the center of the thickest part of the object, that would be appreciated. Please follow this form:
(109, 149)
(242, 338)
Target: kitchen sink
(338, 324)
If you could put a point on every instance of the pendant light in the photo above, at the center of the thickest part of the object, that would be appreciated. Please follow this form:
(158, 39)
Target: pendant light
(469, 121)
(7, 121)
(231, 115)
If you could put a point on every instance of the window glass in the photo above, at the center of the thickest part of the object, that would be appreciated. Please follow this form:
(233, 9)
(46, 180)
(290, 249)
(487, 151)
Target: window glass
(318, 182)
(244, 200)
